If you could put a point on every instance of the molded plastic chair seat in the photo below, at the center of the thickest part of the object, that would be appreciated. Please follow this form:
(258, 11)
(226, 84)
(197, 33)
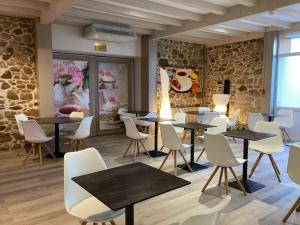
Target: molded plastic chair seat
(91, 209)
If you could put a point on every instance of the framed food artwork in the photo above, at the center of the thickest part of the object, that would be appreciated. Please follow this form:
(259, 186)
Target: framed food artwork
(183, 80)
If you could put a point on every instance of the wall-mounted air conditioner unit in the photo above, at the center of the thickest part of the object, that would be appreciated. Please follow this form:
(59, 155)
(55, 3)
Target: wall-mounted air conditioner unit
(107, 32)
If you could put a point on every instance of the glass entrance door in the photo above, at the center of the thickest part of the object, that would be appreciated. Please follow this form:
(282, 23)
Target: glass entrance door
(114, 86)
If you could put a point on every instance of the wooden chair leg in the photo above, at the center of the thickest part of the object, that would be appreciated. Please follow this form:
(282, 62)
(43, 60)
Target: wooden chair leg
(167, 156)
(238, 181)
(162, 147)
(221, 175)
(226, 181)
(296, 204)
(298, 208)
(84, 144)
(95, 223)
(112, 222)
(83, 223)
(210, 178)
(28, 154)
(70, 145)
(40, 154)
(184, 135)
(274, 167)
(138, 147)
(127, 149)
(134, 150)
(256, 163)
(186, 162)
(103, 223)
(145, 148)
(175, 163)
(287, 136)
(200, 154)
(49, 150)
(283, 136)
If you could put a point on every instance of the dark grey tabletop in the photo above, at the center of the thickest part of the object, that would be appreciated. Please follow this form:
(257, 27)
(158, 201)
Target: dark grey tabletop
(158, 119)
(195, 113)
(273, 115)
(248, 134)
(126, 185)
(59, 120)
(193, 125)
(138, 112)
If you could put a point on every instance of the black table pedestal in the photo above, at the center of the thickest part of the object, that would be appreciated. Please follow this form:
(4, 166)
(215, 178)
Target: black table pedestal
(249, 185)
(57, 153)
(129, 215)
(155, 153)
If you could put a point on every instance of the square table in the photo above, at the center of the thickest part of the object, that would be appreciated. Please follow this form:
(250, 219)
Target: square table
(271, 116)
(56, 121)
(193, 126)
(155, 153)
(249, 185)
(124, 186)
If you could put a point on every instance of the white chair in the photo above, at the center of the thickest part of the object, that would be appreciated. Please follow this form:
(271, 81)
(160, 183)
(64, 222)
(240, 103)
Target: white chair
(202, 110)
(35, 135)
(267, 146)
(84, 130)
(146, 124)
(71, 127)
(219, 153)
(253, 118)
(221, 126)
(285, 122)
(78, 202)
(208, 116)
(293, 169)
(19, 118)
(209, 216)
(171, 141)
(135, 136)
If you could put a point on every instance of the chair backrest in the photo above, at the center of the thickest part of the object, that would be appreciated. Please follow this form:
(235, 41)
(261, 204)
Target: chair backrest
(121, 111)
(294, 164)
(208, 116)
(76, 115)
(275, 142)
(253, 118)
(220, 123)
(19, 118)
(179, 117)
(84, 128)
(218, 150)
(76, 164)
(209, 216)
(285, 121)
(32, 131)
(203, 109)
(169, 137)
(234, 118)
(125, 114)
(131, 130)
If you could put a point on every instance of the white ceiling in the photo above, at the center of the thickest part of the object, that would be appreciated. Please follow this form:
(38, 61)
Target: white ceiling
(201, 21)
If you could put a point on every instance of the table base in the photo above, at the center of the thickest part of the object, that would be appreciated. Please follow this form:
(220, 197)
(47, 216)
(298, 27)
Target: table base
(194, 166)
(249, 185)
(57, 155)
(156, 154)
(129, 215)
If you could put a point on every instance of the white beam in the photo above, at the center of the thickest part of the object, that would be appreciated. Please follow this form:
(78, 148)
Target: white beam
(205, 34)
(225, 31)
(242, 26)
(31, 4)
(235, 12)
(116, 19)
(124, 12)
(195, 6)
(268, 21)
(18, 11)
(151, 7)
(248, 3)
(56, 9)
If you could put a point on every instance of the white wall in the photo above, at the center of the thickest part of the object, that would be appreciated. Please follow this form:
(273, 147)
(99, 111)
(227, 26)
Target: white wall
(70, 39)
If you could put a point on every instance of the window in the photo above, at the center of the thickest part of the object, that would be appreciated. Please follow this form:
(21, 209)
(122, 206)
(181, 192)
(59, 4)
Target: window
(288, 80)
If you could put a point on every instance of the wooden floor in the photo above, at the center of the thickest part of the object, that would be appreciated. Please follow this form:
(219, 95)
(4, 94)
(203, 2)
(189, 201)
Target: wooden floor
(31, 195)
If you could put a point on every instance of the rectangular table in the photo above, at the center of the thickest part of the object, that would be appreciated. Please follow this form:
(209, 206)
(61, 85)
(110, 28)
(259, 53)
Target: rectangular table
(193, 126)
(124, 186)
(249, 185)
(155, 153)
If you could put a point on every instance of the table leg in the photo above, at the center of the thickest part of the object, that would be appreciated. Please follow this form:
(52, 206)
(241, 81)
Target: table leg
(155, 153)
(57, 153)
(270, 118)
(249, 185)
(129, 215)
(194, 166)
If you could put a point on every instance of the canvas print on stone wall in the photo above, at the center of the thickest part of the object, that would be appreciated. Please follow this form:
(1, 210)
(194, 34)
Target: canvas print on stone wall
(71, 86)
(183, 80)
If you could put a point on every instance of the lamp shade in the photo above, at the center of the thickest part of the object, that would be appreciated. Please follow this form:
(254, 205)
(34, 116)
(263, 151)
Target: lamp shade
(221, 101)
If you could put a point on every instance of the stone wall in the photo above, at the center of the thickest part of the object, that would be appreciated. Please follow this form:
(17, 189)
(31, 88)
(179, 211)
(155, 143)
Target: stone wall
(182, 55)
(241, 63)
(18, 77)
